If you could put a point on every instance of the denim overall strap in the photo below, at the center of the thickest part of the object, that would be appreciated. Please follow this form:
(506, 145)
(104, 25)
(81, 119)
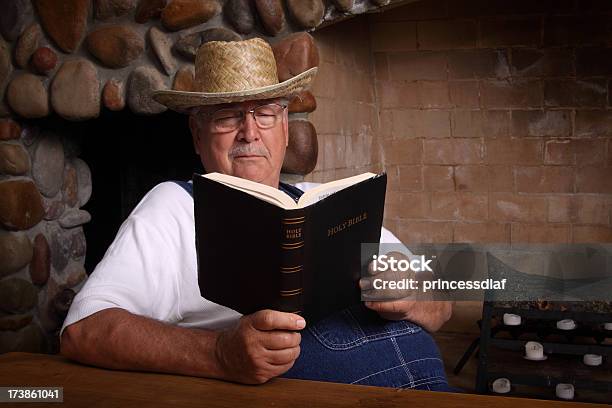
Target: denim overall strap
(188, 187)
(290, 190)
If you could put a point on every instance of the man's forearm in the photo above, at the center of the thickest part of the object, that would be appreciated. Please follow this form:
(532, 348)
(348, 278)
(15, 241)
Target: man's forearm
(115, 338)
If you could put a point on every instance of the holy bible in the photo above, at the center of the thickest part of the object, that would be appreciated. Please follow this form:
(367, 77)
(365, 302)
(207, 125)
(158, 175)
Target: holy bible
(259, 249)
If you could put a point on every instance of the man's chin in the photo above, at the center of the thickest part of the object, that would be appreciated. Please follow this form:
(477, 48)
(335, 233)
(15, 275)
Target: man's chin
(251, 169)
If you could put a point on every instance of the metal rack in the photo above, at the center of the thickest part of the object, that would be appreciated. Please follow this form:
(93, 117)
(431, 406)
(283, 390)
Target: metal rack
(540, 325)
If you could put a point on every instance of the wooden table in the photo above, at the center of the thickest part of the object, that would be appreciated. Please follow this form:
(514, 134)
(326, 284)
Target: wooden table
(86, 386)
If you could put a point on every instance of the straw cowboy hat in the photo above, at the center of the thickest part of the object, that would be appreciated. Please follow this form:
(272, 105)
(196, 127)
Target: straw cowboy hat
(234, 71)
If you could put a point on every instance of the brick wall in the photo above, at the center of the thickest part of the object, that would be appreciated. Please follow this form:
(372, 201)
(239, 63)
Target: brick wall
(494, 117)
(347, 116)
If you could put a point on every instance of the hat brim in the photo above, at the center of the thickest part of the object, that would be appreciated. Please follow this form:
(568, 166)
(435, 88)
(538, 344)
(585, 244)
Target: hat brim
(183, 101)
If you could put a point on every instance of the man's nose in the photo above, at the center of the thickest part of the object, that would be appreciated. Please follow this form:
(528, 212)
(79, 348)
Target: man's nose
(248, 131)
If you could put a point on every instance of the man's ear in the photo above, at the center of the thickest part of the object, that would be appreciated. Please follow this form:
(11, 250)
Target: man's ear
(195, 133)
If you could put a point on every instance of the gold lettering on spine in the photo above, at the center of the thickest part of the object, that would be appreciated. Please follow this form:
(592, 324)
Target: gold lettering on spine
(293, 233)
(292, 243)
(347, 224)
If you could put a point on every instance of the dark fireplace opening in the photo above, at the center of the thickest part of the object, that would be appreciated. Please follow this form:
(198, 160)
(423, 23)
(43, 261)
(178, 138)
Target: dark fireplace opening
(127, 155)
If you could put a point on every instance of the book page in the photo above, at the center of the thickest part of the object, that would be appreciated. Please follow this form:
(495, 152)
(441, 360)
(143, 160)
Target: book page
(318, 193)
(261, 191)
(281, 199)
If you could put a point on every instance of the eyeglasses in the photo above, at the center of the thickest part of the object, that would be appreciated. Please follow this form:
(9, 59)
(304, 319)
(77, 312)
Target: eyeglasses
(228, 120)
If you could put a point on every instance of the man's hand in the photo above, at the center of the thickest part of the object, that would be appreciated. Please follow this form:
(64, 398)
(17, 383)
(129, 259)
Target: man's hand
(405, 304)
(430, 315)
(261, 346)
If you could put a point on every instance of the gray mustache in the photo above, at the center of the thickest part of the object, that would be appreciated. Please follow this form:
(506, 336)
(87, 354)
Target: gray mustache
(248, 149)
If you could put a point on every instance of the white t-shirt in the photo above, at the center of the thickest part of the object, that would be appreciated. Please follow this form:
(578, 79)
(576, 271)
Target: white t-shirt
(150, 269)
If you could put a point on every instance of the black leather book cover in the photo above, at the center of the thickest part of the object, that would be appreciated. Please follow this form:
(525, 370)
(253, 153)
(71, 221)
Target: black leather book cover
(253, 255)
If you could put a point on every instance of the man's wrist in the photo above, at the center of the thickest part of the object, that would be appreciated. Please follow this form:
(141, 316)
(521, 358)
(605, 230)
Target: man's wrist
(217, 355)
(207, 354)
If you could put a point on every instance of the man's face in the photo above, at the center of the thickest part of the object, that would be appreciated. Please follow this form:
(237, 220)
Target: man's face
(248, 151)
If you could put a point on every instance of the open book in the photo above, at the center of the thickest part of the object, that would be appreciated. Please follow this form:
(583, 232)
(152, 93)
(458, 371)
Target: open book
(277, 197)
(259, 249)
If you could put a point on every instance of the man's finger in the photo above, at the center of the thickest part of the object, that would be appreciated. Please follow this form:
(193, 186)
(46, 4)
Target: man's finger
(378, 288)
(389, 307)
(285, 356)
(275, 320)
(281, 368)
(365, 284)
(278, 340)
(386, 294)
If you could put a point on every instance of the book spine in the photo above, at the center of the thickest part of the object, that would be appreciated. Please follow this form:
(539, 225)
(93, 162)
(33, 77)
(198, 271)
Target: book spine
(291, 297)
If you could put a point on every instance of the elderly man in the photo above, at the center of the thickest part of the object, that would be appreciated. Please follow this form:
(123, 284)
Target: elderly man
(141, 308)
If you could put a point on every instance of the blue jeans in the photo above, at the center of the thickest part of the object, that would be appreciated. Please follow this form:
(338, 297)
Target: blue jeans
(356, 346)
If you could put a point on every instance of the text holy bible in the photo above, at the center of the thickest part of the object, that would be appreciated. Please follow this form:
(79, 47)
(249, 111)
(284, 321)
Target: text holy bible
(259, 249)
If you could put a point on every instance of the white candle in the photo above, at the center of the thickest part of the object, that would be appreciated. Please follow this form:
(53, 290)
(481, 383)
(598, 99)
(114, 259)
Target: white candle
(566, 324)
(501, 386)
(512, 319)
(592, 359)
(565, 391)
(608, 326)
(534, 350)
